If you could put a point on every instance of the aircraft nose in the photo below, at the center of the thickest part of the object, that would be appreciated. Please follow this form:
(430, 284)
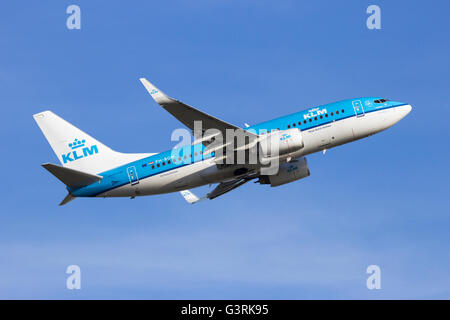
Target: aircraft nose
(408, 108)
(404, 109)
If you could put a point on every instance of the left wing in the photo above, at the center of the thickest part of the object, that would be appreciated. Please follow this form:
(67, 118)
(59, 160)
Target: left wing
(225, 187)
(187, 114)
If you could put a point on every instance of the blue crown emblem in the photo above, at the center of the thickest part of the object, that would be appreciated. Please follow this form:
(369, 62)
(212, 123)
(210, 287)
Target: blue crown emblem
(77, 144)
(154, 91)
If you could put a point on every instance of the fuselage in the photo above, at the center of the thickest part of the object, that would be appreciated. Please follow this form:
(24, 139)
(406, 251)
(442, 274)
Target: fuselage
(322, 127)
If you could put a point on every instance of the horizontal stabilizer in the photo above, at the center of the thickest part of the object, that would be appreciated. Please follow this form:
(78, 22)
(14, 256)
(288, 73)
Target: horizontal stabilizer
(67, 199)
(72, 178)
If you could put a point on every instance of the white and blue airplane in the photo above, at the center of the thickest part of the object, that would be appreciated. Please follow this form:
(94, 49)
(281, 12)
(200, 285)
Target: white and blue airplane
(91, 169)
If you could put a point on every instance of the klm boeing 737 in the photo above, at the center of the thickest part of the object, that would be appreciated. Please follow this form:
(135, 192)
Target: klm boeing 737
(91, 169)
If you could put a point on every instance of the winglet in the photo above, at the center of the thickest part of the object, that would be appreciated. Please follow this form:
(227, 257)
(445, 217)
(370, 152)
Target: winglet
(190, 197)
(159, 96)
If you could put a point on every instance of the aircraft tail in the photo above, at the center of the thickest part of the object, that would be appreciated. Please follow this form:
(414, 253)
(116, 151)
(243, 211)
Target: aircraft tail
(73, 179)
(67, 199)
(76, 149)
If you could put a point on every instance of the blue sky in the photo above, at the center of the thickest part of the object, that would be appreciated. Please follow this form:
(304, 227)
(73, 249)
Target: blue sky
(382, 200)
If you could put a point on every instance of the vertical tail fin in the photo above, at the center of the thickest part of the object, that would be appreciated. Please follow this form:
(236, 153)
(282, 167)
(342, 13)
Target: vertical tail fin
(76, 149)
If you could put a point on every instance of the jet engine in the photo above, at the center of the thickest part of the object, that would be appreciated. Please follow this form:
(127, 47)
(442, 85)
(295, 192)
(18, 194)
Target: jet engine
(288, 172)
(283, 144)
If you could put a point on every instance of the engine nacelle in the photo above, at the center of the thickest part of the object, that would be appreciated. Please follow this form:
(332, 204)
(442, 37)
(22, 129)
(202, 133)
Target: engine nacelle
(288, 172)
(281, 143)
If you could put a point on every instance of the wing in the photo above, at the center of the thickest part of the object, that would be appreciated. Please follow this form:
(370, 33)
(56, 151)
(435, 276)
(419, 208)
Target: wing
(225, 187)
(187, 115)
(221, 188)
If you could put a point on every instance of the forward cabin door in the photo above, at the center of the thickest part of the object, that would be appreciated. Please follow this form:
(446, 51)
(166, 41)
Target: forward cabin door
(358, 107)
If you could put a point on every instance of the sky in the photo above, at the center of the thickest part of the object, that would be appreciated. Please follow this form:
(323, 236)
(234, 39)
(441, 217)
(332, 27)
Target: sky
(379, 201)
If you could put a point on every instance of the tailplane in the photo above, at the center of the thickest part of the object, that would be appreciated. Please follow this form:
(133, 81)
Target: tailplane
(67, 199)
(72, 178)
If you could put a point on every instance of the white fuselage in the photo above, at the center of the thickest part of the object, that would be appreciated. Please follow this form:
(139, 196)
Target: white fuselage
(316, 139)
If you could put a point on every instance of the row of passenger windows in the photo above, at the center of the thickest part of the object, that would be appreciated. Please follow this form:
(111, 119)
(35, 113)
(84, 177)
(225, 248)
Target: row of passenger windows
(315, 118)
(174, 160)
(380, 100)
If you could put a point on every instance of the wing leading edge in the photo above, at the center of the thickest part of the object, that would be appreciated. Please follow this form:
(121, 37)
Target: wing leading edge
(187, 114)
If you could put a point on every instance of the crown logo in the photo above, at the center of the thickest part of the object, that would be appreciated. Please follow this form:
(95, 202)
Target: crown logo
(77, 144)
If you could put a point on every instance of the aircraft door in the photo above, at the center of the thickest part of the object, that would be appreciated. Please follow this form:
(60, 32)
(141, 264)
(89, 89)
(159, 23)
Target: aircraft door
(358, 107)
(132, 175)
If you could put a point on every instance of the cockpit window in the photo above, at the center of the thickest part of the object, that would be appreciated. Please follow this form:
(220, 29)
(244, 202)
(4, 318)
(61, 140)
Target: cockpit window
(380, 100)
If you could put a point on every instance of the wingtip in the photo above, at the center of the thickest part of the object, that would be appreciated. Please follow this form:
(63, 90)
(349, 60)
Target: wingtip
(190, 197)
(41, 114)
(159, 96)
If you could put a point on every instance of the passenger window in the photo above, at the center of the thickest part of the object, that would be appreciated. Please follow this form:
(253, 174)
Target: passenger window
(293, 124)
(310, 120)
(332, 114)
(153, 167)
(337, 111)
(321, 117)
(299, 123)
(164, 163)
(342, 110)
(157, 165)
(168, 162)
(289, 126)
(315, 118)
(326, 115)
(179, 159)
(304, 121)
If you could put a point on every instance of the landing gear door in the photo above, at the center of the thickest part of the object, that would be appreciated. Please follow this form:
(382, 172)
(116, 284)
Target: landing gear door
(358, 107)
(132, 175)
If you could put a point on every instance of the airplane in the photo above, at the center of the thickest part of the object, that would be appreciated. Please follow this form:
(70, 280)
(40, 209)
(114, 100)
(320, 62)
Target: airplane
(91, 169)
